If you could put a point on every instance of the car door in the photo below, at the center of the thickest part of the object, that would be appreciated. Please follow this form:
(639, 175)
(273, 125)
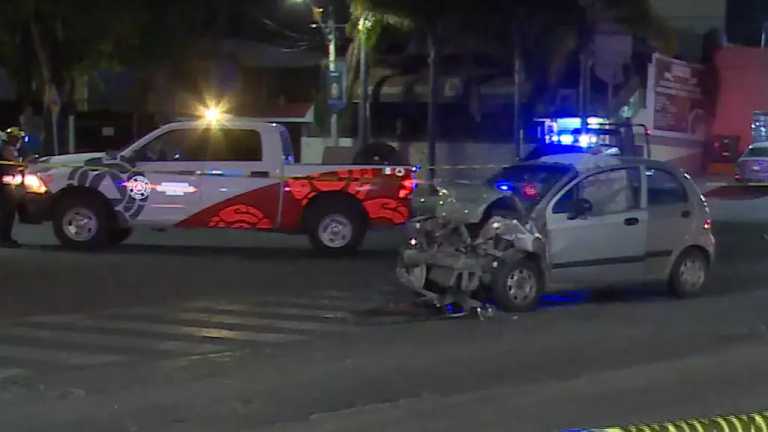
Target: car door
(242, 179)
(669, 219)
(606, 246)
(168, 176)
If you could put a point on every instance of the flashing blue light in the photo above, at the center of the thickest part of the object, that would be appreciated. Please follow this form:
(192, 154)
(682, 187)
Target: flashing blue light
(26, 138)
(503, 186)
(567, 139)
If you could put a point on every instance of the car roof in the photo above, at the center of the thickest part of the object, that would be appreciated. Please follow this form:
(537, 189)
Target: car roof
(229, 122)
(761, 144)
(586, 163)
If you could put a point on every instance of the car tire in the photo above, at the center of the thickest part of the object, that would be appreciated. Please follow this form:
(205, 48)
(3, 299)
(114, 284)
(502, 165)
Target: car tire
(517, 285)
(82, 222)
(689, 273)
(119, 235)
(335, 226)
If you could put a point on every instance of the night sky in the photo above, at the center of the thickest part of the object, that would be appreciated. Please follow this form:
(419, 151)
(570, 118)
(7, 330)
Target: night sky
(744, 21)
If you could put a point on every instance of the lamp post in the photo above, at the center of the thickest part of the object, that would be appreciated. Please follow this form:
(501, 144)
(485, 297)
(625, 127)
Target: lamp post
(329, 29)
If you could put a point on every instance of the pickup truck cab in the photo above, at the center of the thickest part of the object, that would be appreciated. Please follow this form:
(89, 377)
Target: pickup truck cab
(234, 174)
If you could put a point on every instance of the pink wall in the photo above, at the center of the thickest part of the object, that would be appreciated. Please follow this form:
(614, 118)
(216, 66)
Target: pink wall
(743, 77)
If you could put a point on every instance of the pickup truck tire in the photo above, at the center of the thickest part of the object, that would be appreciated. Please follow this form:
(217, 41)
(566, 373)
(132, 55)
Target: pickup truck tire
(517, 285)
(119, 235)
(336, 226)
(378, 153)
(81, 222)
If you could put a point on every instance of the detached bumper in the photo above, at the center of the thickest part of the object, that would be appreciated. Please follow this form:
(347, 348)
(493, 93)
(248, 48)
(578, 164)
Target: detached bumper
(35, 208)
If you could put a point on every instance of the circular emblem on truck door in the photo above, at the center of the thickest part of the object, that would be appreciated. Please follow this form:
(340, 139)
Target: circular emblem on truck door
(138, 187)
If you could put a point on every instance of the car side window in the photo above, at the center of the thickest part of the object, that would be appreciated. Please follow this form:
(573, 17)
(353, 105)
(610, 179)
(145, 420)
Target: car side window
(242, 145)
(613, 191)
(664, 188)
(180, 145)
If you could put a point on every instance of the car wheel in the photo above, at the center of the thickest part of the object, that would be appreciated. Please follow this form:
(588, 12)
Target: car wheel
(81, 222)
(119, 235)
(335, 227)
(517, 286)
(689, 273)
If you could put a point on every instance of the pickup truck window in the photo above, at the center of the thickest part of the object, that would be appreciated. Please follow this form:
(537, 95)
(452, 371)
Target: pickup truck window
(181, 145)
(234, 145)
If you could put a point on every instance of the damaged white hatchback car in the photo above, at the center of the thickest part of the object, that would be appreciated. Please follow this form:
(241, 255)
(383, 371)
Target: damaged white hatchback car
(562, 222)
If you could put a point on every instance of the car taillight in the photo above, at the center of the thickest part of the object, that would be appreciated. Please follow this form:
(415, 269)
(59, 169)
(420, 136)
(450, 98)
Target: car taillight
(707, 224)
(406, 188)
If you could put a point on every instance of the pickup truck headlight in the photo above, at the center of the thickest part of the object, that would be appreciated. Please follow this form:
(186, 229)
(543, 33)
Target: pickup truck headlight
(34, 184)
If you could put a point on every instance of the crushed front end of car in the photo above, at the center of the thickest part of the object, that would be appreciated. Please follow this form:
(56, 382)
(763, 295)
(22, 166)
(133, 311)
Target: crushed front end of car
(453, 263)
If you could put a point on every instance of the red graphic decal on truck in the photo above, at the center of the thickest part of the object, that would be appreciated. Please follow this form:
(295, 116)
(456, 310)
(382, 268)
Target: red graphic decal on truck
(240, 216)
(385, 198)
(256, 209)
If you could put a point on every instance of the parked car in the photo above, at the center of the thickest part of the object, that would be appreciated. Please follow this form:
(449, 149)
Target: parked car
(563, 222)
(752, 166)
(236, 174)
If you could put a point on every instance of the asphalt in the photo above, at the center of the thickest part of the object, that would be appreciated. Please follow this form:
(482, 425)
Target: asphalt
(204, 331)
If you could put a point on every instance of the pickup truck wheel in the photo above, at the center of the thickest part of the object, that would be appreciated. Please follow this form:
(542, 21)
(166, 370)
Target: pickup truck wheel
(81, 222)
(335, 227)
(517, 285)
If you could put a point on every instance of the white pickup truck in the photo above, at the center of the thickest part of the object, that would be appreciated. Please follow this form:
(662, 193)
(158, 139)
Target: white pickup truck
(235, 174)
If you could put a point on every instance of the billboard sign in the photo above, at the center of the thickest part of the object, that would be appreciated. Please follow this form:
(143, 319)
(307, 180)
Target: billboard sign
(675, 99)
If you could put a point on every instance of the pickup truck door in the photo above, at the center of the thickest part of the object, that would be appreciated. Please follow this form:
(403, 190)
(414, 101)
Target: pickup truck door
(241, 180)
(167, 175)
(606, 246)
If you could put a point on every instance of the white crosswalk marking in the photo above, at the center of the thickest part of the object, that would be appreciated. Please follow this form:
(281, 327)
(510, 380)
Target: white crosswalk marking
(277, 323)
(47, 355)
(282, 310)
(169, 329)
(193, 328)
(113, 341)
(316, 302)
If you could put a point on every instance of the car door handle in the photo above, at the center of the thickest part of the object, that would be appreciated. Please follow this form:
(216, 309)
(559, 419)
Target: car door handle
(631, 221)
(685, 214)
(260, 174)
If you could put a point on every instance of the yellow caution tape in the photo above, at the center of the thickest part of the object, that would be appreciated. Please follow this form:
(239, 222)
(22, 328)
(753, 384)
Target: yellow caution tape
(754, 422)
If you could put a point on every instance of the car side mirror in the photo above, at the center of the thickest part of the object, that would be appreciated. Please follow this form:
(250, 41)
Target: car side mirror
(580, 207)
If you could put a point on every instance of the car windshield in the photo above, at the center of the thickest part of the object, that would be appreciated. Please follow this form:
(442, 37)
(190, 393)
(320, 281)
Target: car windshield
(530, 182)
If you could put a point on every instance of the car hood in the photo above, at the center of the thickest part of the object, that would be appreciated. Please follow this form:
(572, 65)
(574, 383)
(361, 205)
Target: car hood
(77, 159)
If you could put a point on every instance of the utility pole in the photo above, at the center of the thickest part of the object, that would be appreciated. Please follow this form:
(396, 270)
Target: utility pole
(332, 68)
(518, 140)
(362, 108)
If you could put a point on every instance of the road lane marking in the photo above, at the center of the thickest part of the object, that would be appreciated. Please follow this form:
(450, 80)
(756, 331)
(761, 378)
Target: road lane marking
(268, 322)
(172, 329)
(50, 355)
(315, 302)
(113, 341)
(12, 373)
(282, 310)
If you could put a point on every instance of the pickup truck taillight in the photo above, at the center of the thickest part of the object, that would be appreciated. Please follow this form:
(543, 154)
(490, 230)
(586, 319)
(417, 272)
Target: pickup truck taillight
(406, 188)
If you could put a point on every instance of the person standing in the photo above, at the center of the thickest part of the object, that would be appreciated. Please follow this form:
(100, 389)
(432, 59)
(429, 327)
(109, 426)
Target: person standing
(9, 171)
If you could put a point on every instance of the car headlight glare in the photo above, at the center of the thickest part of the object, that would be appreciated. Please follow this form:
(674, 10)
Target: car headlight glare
(34, 184)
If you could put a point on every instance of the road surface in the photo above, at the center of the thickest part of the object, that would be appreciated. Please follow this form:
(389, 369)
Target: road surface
(230, 331)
